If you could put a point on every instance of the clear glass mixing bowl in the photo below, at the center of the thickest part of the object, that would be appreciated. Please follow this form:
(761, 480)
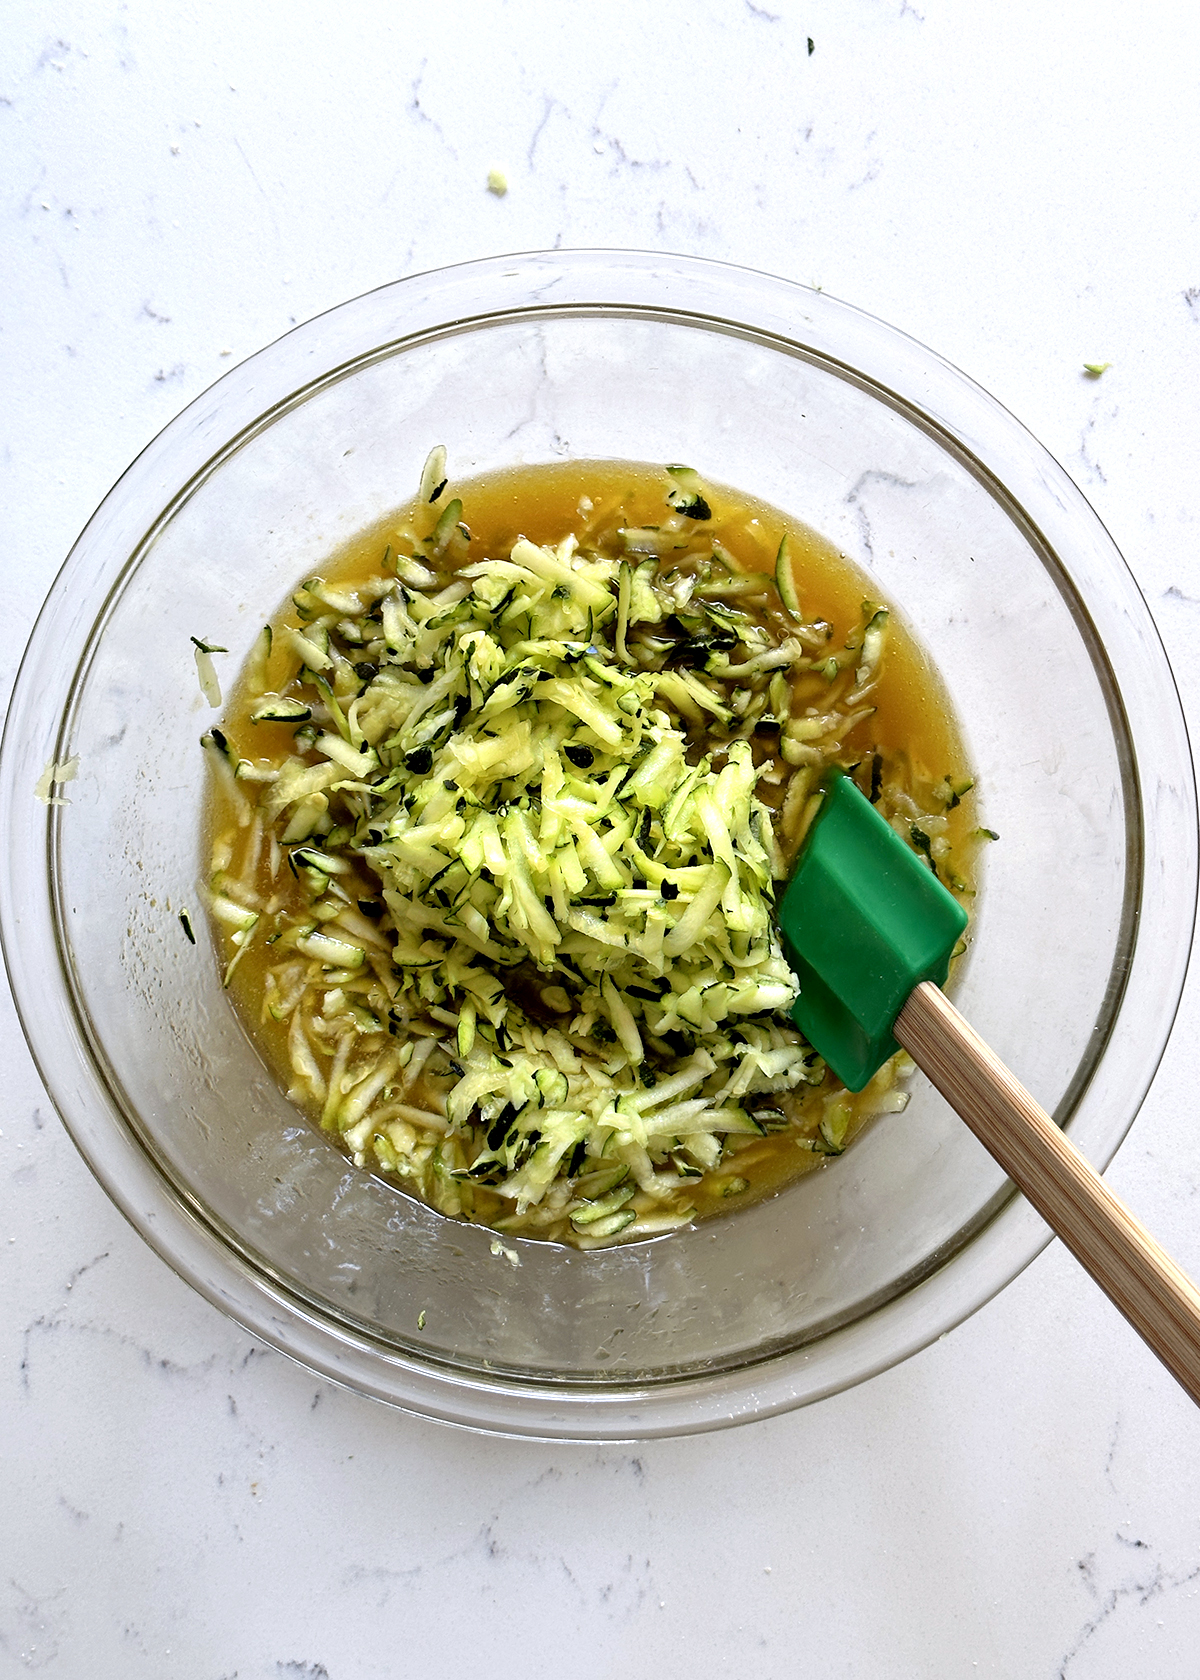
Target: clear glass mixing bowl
(959, 518)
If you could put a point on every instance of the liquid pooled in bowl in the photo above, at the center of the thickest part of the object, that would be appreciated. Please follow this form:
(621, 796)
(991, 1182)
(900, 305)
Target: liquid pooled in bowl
(498, 813)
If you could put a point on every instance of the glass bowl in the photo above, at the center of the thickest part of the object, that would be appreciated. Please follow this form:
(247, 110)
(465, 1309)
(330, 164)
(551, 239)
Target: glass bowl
(960, 520)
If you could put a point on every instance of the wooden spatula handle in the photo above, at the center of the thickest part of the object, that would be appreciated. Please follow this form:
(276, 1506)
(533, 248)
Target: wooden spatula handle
(1158, 1299)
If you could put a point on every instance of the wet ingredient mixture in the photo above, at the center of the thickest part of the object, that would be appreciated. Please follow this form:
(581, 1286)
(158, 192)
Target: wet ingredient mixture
(498, 814)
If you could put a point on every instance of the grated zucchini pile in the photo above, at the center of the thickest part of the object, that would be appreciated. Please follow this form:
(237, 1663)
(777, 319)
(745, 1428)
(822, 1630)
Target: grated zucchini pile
(516, 866)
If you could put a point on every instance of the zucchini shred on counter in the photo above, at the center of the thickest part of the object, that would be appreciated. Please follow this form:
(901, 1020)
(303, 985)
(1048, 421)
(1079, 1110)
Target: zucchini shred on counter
(496, 820)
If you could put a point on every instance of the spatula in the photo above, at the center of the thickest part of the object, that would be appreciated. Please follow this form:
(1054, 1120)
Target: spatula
(870, 930)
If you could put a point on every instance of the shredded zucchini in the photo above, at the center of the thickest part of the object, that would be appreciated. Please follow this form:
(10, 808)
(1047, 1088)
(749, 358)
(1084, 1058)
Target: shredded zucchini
(537, 803)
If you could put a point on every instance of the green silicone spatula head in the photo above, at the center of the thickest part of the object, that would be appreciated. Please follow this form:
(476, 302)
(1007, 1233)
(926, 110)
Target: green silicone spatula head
(863, 921)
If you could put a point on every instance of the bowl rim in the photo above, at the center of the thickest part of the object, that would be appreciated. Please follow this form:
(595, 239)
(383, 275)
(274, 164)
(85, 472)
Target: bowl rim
(247, 398)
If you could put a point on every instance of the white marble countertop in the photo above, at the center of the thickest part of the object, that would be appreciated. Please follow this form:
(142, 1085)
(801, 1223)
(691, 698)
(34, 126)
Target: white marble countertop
(1015, 184)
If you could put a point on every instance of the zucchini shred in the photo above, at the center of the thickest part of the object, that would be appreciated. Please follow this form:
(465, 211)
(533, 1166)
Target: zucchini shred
(496, 820)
